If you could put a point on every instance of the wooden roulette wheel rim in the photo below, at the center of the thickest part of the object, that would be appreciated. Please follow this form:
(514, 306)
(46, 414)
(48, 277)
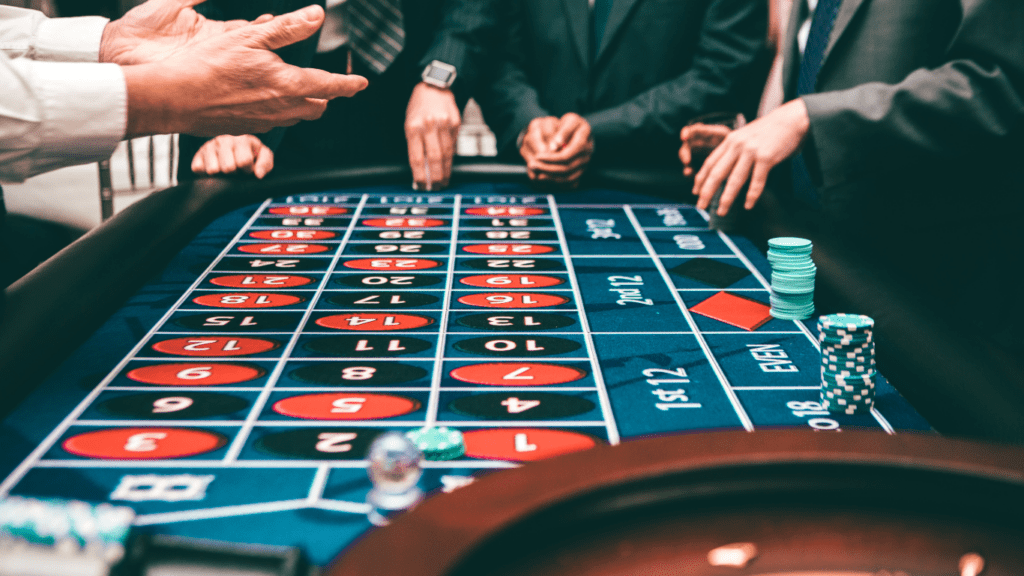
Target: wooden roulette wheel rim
(977, 485)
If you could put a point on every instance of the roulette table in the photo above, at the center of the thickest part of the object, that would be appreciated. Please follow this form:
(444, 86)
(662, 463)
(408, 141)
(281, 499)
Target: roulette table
(220, 357)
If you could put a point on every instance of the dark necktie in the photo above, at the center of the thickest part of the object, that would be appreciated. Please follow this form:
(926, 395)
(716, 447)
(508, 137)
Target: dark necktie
(810, 65)
(376, 31)
(599, 19)
(817, 41)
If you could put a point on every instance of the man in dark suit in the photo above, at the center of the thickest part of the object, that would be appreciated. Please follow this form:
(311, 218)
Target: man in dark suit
(620, 77)
(405, 115)
(904, 129)
(885, 98)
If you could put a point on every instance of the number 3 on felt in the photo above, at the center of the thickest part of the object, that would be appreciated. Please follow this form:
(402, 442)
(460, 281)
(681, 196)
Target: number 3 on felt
(145, 442)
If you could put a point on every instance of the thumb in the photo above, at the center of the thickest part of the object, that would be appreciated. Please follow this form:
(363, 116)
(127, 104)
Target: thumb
(566, 129)
(286, 29)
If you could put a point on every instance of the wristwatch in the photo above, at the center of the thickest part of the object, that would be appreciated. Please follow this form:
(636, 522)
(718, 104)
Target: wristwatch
(439, 75)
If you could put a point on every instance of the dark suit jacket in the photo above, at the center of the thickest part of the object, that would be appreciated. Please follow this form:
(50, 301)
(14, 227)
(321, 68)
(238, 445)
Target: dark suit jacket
(369, 127)
(660, 63)
(916, 140)
(914, 96)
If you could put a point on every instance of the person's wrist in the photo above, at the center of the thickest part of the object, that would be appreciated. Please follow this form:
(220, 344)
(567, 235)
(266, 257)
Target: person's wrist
(108, 43)
(153, 107)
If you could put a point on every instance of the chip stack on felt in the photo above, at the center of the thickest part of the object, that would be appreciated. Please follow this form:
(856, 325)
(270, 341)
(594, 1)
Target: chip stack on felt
(792, 278)
(847, 363)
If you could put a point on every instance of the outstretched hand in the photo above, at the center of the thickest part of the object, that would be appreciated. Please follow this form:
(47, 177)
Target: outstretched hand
(233, 83)
(749, 154)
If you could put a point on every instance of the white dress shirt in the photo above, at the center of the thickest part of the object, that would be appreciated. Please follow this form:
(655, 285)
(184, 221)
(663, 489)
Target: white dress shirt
(334, 33)
(805, 27)
(58, 105)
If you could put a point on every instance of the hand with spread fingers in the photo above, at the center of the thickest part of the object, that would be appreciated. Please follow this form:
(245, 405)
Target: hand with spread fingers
(749, 154)
(698, 142)
(156, 29)
(557, 150)
(233, 83)
(432, 122)
(229, 154)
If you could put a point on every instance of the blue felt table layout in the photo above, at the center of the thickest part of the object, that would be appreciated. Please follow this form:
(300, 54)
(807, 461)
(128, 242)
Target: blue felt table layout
(608, 348)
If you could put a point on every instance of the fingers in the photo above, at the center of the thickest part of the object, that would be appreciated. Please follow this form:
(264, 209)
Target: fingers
(434, 157)
(563, 178)
(286, 29)
(205, 161)
(567, 127)
(245, 149)
(758, 180)
(416, 159)
(685, 154)
(579, 144)
(536, 139)
(262, 19)
(264, 162)
(737, 179)
(709, 163)
(315, 83)
(226, 154)
(714, 172)
(561, 168)
(447, 138)
(198, 165)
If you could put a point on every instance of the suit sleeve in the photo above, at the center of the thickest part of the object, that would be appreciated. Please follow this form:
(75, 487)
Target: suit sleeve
(729, 52)
(972, 104)
(507, 98)
(465, 38)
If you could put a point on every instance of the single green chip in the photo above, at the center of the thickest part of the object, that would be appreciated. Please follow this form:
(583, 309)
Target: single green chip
(438, 442)
(789, 242)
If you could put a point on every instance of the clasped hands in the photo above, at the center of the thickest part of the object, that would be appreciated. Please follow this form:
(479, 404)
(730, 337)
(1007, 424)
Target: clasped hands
(557, 149)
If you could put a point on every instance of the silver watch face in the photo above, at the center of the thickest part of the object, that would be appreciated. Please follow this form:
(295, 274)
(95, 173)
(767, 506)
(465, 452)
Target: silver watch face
(438, 74)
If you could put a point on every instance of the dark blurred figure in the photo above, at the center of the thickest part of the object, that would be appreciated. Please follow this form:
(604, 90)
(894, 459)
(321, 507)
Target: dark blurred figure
(619, 78)
(903, 129)
(107, 8)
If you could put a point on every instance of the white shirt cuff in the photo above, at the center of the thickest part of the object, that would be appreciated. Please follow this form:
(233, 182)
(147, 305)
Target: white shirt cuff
(70, 39)
(84, 112)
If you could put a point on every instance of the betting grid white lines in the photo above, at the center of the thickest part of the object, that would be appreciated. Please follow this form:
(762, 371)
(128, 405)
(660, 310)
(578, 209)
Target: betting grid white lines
(741, 413)
(595, 365)
(36, 455)
(254, 414)
(435, 380)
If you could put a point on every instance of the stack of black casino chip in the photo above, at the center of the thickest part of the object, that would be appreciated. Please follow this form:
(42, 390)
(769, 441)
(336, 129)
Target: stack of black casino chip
(847, 363)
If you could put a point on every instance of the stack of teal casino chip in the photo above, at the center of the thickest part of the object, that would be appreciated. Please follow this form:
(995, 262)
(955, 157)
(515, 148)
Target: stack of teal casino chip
(438, 442)
(847, 363)
(62, 536)
(793, 273)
